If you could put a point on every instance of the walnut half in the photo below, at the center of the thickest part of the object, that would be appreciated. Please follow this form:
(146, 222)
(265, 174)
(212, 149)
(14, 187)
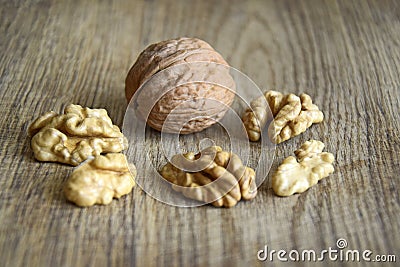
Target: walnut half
(99, 180)
(223, 179)
(74, 136)
(297, 175)
(292, 116)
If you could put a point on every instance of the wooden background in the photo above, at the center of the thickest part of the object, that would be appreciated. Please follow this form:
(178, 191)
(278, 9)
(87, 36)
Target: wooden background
(345, 54)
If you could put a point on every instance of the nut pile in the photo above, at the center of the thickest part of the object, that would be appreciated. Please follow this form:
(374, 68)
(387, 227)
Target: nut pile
(292, 116)
(296, 175)
(79, 135)
(191, 96)
(223, 181)
(200, 95)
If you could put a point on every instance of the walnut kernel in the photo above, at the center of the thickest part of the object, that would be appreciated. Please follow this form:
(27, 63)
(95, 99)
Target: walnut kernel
(99, 180)
(297, 175)
(292, 116)
(72, 137)
(223, 181)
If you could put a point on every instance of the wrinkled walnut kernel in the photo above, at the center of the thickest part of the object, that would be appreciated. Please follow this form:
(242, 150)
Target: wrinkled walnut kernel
(297, 175)
(99, 180)
(223, 181)
(292, 116)
(72, 137)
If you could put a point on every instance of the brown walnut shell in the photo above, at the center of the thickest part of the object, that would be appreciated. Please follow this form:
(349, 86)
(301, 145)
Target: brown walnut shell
(198, 95)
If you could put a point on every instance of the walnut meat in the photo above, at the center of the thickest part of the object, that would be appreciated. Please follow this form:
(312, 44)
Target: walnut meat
(99, 180)
(199, 96)
(72, 137)
(223, 179)
(292, 116)
(297, 175)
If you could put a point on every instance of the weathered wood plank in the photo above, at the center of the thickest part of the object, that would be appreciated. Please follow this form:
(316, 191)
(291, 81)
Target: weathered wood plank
(345, 54)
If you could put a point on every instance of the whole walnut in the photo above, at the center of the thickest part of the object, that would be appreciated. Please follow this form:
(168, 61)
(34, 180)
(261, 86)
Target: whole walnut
(191, 97)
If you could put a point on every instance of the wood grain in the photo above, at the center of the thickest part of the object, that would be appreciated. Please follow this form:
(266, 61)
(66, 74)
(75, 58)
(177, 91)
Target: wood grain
(345, 54)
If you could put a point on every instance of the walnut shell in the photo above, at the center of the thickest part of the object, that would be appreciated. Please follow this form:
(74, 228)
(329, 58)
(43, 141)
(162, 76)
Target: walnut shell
(192, 106)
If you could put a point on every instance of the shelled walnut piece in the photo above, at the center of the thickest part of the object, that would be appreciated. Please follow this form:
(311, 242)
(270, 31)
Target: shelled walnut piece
(99, 180)
(292, 116)
(72, 137)
(296, 176)
(223, 181)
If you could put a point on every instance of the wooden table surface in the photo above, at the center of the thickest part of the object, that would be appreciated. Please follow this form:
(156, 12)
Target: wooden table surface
(345, 54)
